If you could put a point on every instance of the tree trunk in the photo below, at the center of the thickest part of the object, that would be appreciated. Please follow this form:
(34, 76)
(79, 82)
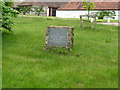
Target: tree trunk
(88, 18)
(88, 15)
(38, 14)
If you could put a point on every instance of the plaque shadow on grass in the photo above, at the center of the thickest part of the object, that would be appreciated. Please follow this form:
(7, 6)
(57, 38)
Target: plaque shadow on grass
(60, 51)
(65, 52)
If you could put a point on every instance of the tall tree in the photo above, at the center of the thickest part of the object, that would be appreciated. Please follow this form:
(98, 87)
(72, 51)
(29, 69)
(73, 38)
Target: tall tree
(88, 6)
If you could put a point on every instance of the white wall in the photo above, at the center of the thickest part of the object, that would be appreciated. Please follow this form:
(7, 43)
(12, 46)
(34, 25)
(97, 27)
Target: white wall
(77, 13)
(47, 11)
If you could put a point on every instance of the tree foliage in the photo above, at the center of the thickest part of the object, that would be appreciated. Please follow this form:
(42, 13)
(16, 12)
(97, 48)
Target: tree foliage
(38, 10)
(88, 6)
(24, 9)
(7, 13)
(105, 13)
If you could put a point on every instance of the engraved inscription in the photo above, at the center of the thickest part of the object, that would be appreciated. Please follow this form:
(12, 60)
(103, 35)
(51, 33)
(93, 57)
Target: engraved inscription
(57, 37)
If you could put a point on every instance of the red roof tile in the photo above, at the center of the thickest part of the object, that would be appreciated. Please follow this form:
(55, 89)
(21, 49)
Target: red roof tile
(50, 4)
(99, 6)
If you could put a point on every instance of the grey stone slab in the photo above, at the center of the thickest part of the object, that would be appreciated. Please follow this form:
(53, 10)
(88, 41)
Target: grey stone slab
(58, 37)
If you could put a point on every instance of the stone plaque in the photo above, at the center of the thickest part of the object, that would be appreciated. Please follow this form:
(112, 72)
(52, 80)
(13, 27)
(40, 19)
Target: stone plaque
(59, 36)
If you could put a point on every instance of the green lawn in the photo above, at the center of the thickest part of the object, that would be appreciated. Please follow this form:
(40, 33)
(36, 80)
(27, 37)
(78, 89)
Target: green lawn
(98, 20)
(92, 63)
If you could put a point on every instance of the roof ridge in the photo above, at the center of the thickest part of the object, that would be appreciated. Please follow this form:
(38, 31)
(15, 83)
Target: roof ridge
(99, 6)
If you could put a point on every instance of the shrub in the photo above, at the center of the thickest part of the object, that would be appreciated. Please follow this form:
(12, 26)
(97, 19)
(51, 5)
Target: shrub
(105, 13)
(7, 13)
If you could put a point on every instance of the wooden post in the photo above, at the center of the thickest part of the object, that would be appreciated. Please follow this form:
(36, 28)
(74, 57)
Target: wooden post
(80, 21)
(50, 11)
(93, 16)
(95, 22)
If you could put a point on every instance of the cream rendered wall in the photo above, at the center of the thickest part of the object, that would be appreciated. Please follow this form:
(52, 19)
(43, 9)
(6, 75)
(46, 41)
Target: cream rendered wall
(47, 11)
(77, 13)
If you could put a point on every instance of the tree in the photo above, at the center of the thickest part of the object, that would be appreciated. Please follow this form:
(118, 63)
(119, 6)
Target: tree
(24, 9)
(38, 10)
(88, 6)
(7, 13)
(105, 13)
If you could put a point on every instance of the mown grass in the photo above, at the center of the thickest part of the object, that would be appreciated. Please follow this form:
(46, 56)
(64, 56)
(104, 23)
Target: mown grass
(92, 63)
(98, 20)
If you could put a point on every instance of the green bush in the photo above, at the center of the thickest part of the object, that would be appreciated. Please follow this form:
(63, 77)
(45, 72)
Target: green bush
(105, 13)
(7, 12)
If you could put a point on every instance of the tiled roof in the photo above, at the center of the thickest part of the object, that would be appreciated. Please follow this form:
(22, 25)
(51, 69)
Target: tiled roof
(99, 6)
(25, 3)
(50, 4)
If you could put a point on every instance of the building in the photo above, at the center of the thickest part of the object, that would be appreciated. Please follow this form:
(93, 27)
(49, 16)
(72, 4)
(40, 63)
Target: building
(75, 9)
(48, 7)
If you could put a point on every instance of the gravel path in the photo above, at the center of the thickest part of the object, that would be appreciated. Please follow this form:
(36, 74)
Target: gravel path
(113, 24)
